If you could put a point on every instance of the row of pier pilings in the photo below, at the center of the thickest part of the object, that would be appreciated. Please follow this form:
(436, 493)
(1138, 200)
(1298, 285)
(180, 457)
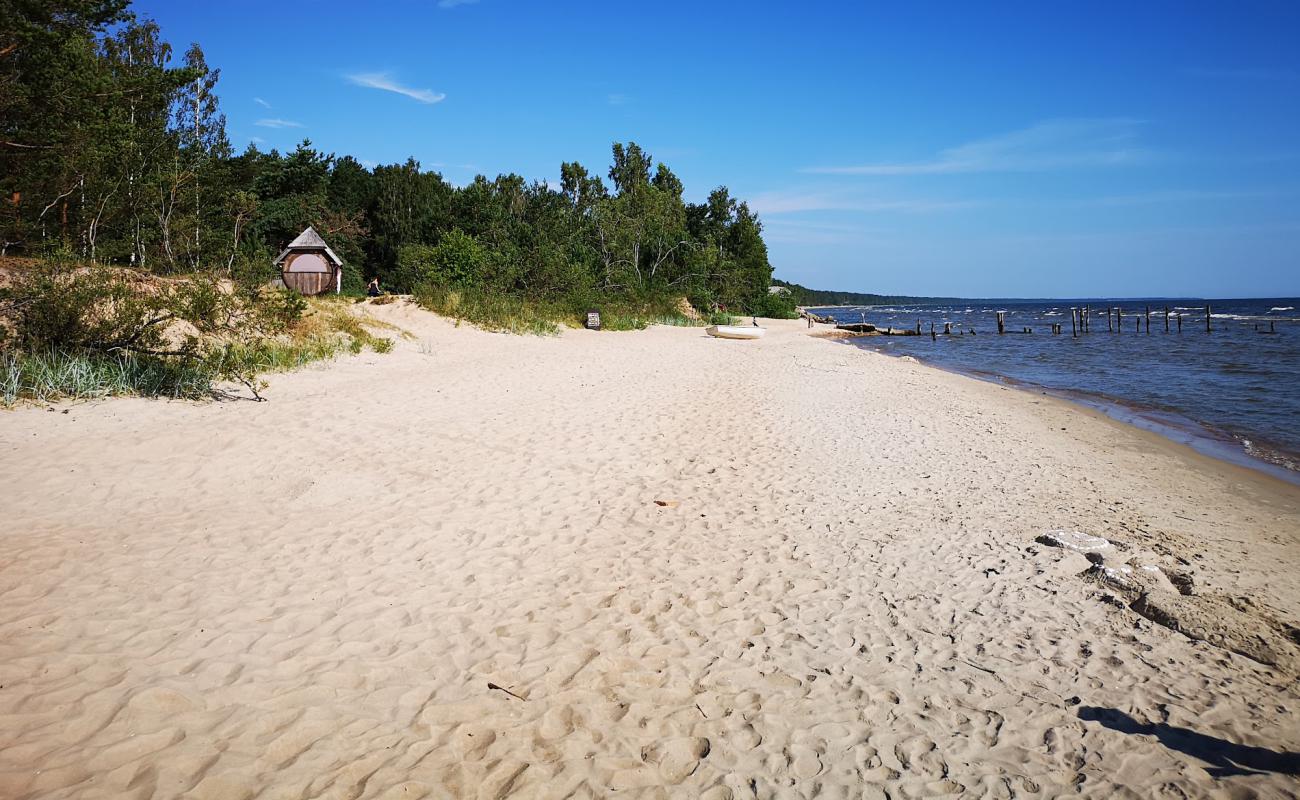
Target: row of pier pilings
(1081, 321)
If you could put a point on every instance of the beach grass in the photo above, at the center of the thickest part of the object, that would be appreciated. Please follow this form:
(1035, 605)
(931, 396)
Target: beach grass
(493, 311)
(49, 374)
(510, 314)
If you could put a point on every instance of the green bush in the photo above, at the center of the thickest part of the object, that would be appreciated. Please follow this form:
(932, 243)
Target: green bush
(776, 305)
(116, 310)
(456, 260)
(354, 280)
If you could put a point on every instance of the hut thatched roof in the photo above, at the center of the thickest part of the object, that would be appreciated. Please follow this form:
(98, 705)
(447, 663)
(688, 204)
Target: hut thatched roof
(309, 240)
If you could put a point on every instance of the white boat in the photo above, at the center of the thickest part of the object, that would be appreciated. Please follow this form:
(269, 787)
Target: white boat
(735, 331)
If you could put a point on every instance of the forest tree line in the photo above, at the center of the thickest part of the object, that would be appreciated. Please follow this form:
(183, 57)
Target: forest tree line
(803, 296)
(114, 150)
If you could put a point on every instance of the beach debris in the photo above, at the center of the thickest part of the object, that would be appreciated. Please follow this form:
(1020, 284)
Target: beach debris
(666, 503)
(1077, 541)
(1119, 577)
(492, 685)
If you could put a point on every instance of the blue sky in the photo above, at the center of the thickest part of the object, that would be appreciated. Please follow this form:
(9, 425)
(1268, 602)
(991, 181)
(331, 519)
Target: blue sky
(1014, 149)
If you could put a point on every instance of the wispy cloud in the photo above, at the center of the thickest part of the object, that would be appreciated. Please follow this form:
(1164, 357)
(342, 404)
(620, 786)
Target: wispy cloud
(277, 123)
(1049, 145)
(454, 3)
(1245, 73)
(616, 99)
(1174, 196)
(261, 102)
(795, 201)
(385, 82)
(257, 140)
(803, 232)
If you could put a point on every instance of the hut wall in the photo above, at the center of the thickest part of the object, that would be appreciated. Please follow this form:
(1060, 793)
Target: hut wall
(309, 273)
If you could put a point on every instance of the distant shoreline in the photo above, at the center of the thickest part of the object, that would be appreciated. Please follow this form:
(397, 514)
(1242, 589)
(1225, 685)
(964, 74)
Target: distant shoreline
(1221, 446)
(1199, 392)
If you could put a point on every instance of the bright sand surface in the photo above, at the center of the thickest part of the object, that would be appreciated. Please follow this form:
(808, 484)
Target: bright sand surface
(842, 595)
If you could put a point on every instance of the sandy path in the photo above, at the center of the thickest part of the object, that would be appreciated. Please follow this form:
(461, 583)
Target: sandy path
(844, 597)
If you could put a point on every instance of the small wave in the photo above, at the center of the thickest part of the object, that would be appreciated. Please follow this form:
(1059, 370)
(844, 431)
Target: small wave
(1282, 308)
(1270, 455)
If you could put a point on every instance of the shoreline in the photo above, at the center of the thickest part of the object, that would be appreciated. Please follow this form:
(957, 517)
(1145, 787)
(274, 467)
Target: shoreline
(652, 561)
(1214, 443)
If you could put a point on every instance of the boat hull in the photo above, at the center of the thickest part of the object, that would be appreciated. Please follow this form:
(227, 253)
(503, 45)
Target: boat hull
(734, 332)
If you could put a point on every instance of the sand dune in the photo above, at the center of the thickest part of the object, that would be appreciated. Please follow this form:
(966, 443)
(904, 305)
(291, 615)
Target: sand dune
(443, 573)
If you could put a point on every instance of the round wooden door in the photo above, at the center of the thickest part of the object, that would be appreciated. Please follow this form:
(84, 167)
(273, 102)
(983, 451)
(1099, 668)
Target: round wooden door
(308, 273)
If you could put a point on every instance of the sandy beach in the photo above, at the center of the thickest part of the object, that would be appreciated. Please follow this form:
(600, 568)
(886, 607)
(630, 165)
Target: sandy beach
(646, 564)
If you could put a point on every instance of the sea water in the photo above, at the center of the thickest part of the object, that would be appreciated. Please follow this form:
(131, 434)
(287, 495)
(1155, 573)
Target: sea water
(1233, 392)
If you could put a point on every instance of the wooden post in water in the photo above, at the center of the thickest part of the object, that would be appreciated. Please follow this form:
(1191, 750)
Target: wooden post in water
(1002, 322)
(1270, 327)
(1207, 319)
(947, 329)
(1119, 320)
(1148, 320)
(1074, 329)
(918, 327)
(1137, 324)
(1109, 329)
(932, 336)
(1180, 322)
(1166, 319)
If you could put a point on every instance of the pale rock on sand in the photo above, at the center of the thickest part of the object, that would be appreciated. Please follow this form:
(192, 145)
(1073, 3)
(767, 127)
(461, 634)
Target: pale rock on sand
(443, 573)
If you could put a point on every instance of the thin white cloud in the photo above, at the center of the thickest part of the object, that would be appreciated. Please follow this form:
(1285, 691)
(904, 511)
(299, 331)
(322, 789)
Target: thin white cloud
(261, 102)
(792, 202)
(1050, 145)
(454, 3)
(384, 82)
(1175, 196)
(277, 123)
(802, 232)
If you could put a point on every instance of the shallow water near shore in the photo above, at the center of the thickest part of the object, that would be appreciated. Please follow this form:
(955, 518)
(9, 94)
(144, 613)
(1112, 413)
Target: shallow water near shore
(1230, 393)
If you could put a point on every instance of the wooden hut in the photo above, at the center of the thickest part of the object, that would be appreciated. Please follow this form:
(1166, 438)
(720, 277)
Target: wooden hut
(309, 266)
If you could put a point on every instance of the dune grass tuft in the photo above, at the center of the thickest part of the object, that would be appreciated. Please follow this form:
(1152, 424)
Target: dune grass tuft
(325, 332)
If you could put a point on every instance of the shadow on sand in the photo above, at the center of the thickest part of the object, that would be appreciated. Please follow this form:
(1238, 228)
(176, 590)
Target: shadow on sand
(1227, 758)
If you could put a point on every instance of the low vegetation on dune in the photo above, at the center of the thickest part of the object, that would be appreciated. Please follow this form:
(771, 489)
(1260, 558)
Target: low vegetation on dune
(510, 314)
(89, 331)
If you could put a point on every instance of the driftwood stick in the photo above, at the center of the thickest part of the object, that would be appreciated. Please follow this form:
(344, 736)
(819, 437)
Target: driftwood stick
(504, 689)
